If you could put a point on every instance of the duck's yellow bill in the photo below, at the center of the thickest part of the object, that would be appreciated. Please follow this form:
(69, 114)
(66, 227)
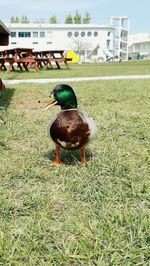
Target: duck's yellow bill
(51, 103)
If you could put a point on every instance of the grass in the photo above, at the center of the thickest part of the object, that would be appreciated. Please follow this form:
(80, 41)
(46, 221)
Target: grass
(76, 215)
(88, 70)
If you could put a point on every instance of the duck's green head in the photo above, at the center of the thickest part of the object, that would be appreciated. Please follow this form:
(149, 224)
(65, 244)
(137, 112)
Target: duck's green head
(64, 96)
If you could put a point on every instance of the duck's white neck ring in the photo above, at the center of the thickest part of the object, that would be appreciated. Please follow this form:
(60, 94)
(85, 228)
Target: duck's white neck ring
(69, 109)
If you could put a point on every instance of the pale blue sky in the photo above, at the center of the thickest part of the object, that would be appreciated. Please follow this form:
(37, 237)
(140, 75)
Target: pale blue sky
(137, 10)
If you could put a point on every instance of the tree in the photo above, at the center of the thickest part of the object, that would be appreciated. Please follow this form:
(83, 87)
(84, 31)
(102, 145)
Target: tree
(80, 46)
(77, 18)
(87, 18)
(53, 20)
(24, 19)
(69, 19)
(14, 19)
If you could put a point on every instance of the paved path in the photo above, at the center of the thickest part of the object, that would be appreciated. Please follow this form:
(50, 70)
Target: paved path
(53, 80)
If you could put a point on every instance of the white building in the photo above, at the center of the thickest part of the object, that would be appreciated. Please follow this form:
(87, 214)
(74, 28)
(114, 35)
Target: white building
(121, 30)
(139, 45)
(90, 41)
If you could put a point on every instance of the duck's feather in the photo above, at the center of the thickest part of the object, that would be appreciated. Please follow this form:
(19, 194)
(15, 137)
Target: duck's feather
(71, 129)
(92, 126)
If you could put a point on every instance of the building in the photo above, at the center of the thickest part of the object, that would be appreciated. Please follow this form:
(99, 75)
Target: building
(121, 30)
(139, 46)
(92, 42)
(4, 34)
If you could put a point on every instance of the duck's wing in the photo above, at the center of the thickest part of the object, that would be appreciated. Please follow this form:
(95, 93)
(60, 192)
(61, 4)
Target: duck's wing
(91, 123)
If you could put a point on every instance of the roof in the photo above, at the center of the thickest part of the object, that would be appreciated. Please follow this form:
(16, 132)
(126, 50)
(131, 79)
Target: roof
(57, 26)
(140, 42)
(3, 28)
(119, 17)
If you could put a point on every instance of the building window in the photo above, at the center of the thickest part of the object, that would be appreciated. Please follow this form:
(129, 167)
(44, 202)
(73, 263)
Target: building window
(143, 47)
(89, 33)
(108, 34)
(42, 34)
(49, 34)
(35, 42)
(35, 34)
(13, 43)
(13, 34)
(108, 44)
(82, 33)
(69, 34)
(95, 33)
(76, 34)
(25, 34)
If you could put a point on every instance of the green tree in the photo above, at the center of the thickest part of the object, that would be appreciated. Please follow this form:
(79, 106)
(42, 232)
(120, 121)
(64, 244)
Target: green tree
(87, 18)
(69, 19)
(53, 20)
(24, 19)
(14, 19)
(77, 18)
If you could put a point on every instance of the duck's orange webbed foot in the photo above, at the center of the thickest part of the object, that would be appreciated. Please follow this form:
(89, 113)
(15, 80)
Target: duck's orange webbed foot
(57, 161)
(83, 155)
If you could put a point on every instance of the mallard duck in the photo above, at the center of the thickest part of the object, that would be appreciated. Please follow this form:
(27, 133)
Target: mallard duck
(71, 129)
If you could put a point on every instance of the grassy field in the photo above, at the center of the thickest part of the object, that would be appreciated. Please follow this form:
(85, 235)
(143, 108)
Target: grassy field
(76, 215)
(88, 70)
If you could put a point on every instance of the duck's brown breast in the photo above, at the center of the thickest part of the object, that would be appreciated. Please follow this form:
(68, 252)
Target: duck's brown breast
(69, 130)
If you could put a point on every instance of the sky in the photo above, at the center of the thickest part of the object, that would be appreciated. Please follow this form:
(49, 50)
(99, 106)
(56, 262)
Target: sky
(138, 11)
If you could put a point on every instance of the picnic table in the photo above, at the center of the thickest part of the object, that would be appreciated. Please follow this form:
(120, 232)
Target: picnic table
(49, 56)
(20, 56)
(25, 57)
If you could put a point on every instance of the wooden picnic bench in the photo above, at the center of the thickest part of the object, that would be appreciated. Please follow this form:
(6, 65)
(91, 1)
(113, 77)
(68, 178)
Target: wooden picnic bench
(23, 58)
(49, 56)
(2, 64)
(20, 56)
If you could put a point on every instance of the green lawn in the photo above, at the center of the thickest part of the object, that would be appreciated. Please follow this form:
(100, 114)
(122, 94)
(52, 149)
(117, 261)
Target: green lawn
(76, 215)
(82, 70)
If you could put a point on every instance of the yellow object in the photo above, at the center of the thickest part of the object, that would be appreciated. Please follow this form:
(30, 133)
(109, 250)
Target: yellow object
(74, 56)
